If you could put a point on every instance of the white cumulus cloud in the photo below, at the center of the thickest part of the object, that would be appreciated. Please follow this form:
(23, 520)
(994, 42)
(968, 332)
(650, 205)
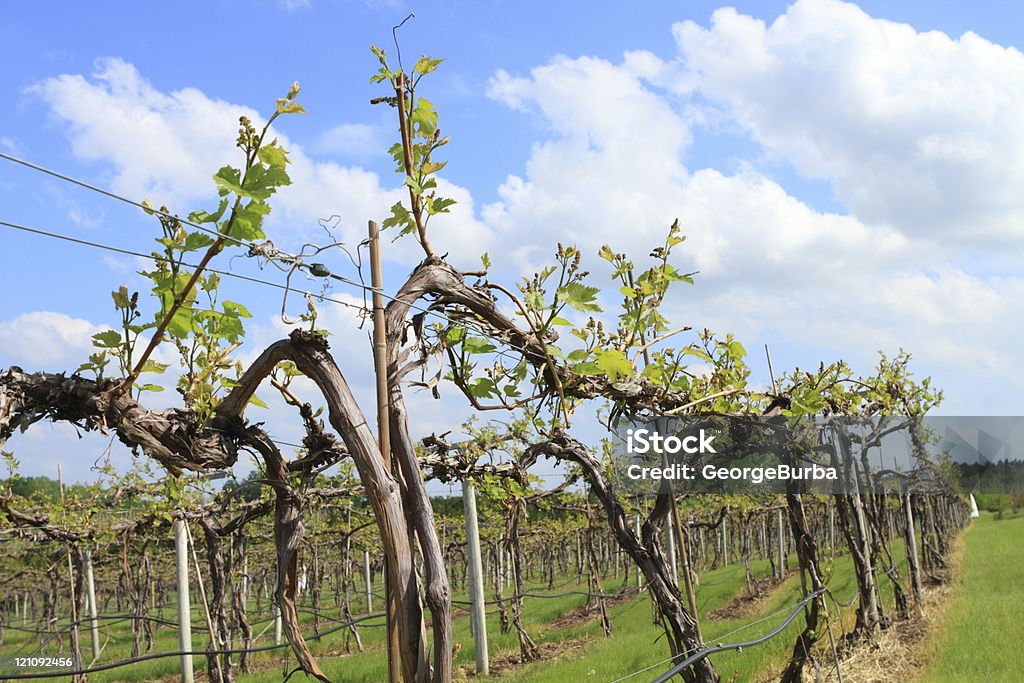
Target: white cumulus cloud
(610, 167)
(46, 340)
(915, 130)
(165, 146)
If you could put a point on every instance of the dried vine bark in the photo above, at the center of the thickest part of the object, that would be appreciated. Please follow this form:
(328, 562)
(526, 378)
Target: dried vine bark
(594, 576)
(807, 556)
(857, 534)
(219, 667)
(681, 628)
(239, 596)
(179, 441)
(174, 438)
(527, 647)
(288, 532)
(310, 354)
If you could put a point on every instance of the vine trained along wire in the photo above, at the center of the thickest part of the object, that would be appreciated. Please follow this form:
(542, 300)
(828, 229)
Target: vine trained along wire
(330, 529)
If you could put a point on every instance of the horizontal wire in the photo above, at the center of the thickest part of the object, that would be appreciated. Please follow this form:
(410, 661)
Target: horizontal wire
(296, 261)
(120, 198)
(154, 257)
(248, 278)
(693, 659)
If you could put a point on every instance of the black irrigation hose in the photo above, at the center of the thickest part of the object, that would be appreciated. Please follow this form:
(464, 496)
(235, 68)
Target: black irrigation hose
(50, 635)
(196, 653)
(103, 617)
(693, 659)
(111, 619)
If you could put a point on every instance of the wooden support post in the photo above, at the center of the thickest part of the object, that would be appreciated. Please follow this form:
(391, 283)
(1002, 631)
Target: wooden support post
(244, 578)
(639, 574)
(910, 539)
(688, 574)
(202, 587)
(782, 543)
(670, 526)
(579, 559)
(725, 543)
(764, 539)
(380, 363)
(890, 514)
(76, 637)
(184, 603)
(90, 587)
(476, 578)
(832, 526)
(672, 553)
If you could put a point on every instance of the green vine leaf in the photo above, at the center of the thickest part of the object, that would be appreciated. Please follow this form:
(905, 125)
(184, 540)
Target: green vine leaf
(613, 363)
(580, 296)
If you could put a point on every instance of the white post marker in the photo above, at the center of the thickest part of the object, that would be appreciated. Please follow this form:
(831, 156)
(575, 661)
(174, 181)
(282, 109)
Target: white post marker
(184, 603)
(476, 578)
(368, 579)
(90, 587)
(278, 637)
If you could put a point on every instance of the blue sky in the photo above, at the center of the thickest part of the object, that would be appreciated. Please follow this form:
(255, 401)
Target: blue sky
(848, 175)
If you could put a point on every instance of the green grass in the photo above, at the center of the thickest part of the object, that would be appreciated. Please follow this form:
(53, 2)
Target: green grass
(116, 639)
(634, 634)
(636, 642)
(982, 637)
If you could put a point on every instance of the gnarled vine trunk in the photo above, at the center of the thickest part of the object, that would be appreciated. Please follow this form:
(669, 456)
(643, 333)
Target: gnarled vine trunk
(680, 626)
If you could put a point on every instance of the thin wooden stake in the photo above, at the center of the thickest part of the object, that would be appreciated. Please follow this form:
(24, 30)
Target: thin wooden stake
(782, 544)
(768, 355)
(214, 634)
(639, 574)
(76, 637)
(380, 361)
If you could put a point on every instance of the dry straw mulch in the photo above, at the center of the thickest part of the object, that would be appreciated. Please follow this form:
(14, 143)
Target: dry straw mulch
(900, 652)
